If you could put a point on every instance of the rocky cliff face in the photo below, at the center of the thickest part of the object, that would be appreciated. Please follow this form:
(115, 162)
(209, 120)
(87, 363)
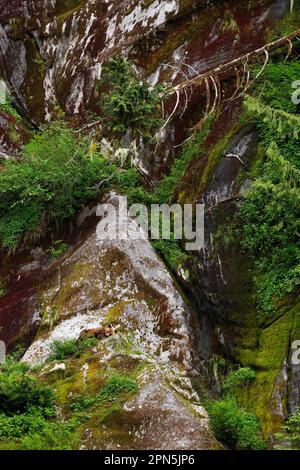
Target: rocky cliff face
(52, 54)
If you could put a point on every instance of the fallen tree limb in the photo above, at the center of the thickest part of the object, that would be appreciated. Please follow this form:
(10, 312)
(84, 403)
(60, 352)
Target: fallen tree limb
(266, 49)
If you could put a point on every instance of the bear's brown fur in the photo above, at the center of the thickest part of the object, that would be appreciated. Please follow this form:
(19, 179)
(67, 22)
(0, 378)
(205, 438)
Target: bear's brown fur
(101, 332)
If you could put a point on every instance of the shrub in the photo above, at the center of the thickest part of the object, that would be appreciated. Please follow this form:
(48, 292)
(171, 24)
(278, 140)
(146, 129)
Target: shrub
(31, 431)
(233, 426)
(51, 436)
(237, 379)
(129, 103)
(28, 416)
(60, 350)
(20, 392)
(54, 179)
(115, 386)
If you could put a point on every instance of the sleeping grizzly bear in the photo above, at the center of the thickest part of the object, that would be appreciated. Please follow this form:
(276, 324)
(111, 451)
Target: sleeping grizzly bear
(101, 332)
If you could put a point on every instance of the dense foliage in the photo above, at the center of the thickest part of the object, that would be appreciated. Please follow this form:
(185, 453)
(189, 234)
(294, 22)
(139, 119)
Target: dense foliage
(53, 180)
(270, 210)
(31, 417)
(27, 416)
(233, 426)
(129, 104)
(237, 379)
(20, 393)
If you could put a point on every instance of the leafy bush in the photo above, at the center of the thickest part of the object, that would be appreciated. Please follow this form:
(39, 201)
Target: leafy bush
(129, 103)
(51, 436)
(60, 350)
(115, 386)
(237, 379)
(20, 392)
(28, 416)
(31, 431)
(54, 179)
(236, 428)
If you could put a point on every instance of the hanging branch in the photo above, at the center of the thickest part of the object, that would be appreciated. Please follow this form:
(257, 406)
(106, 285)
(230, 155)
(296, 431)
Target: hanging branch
(289, 50)
(186, 77)
(212, 76)
(240, 60)
(216, 95)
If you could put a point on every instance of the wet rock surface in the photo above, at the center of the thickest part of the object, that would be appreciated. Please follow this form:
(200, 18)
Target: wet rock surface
(53, 54)
(158, 418)
(126, 285)
(122, 281)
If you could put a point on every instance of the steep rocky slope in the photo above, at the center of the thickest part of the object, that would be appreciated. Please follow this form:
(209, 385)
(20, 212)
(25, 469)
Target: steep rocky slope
(171, 339)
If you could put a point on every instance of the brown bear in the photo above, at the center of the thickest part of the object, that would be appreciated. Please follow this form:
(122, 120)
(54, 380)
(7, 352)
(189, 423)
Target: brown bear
(101, 332)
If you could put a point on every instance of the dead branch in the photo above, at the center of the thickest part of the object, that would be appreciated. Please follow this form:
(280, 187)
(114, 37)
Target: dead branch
(240, 60)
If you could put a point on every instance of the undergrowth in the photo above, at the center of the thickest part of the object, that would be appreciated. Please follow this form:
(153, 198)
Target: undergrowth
(270, 209)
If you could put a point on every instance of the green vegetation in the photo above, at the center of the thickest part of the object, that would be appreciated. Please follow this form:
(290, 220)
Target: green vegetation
(54, 179)
(129, 103)
(61, 350)
(231, 424)
(27, 417)
(270, 210)
(165, 193)
(110, 392)
(32, 416)
(237, 428)
(58, 173)
(20, 393)
(289, 438)
(8, 108)
(237, 379)
(57, 249)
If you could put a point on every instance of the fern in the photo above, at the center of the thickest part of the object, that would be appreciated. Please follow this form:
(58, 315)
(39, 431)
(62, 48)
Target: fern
(285, 124)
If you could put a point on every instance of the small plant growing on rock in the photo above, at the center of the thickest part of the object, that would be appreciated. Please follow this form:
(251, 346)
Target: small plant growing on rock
(290, 435)
(58, 249)
(235, 427)
(8, 108)
(237, 379)
(61, 350)
(127, 103)
(110, 392)
(115, 386)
